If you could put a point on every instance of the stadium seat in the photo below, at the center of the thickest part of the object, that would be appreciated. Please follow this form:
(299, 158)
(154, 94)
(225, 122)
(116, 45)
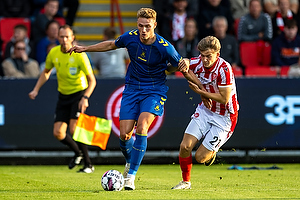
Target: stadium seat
(248, 54)
(7, 27)
(60, 20)
(236, 26)
(237, 71)
(178, 74)
(3, 48)
(284, 71)
(255, 53)
(267, 54)
(256, 58)
(260, 71)
(264, 52)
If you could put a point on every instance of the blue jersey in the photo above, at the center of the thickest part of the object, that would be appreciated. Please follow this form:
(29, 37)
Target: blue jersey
(148, 62)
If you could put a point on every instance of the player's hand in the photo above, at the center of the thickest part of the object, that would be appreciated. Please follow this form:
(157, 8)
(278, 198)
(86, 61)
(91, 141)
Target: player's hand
(183, 65)
(207, 102)
(32, 94)
(83, 104)
(76, 49)
(195, 87)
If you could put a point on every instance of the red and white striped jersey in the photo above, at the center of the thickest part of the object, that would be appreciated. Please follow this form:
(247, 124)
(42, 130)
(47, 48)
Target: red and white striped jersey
(219, 75)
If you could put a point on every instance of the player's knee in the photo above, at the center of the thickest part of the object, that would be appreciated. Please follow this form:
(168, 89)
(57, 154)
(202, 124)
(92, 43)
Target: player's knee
(185, 149)
(142, 129)
(200, 158)
(59, 135)
(125, 136)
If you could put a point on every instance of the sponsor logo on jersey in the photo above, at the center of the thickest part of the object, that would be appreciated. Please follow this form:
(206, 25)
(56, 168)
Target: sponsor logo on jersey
(143, 56)
(73, 70)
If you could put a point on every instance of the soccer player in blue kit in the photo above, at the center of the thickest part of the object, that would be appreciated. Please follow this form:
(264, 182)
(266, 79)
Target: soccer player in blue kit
(145, 91)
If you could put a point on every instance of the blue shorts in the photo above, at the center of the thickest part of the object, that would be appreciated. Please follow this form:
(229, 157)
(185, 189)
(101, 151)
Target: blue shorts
(136, 101)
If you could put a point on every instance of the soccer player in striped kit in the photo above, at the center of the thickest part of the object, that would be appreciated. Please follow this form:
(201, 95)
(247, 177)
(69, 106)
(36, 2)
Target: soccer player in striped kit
(214, 124)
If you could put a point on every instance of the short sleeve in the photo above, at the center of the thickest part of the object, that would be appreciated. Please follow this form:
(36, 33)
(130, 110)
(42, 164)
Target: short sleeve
(48, 63)
(86, 64)
(173, 56)
(225, 76)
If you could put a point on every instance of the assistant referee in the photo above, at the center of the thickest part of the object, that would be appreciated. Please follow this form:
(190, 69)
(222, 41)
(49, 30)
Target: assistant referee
(76, 82)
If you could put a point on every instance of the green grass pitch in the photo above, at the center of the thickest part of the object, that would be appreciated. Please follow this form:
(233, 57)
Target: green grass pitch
(152, 182)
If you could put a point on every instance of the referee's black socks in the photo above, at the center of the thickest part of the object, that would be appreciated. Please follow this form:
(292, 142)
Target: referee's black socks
(84, 150)
(68, 140)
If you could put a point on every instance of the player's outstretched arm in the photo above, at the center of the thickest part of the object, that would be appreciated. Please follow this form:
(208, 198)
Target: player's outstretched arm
(99, 47)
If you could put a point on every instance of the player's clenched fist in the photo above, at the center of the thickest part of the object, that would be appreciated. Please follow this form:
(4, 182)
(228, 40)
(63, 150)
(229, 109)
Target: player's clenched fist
(183, 65)
(32, 94)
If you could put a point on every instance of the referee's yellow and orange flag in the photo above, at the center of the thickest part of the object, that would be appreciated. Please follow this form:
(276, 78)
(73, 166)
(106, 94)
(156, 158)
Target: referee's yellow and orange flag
(92, 130)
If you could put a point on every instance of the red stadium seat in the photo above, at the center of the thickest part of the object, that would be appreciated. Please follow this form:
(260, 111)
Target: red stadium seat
(267, 54)
(260, 71)
(256, 57)
(284, 71)
(178, 74)
(4, 43)
(255, 53)
(237, 71)
(236, 26)
(60, 20)
(264, 52)
(7, 27)
(248, 54)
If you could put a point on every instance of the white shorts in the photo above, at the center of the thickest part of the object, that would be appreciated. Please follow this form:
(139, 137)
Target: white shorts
(214, 128)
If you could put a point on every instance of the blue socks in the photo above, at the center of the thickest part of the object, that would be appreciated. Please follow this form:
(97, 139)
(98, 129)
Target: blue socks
(126, 147)
(138, 152)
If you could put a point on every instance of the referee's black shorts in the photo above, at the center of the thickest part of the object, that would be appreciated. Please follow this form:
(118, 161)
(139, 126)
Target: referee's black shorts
(67, 107)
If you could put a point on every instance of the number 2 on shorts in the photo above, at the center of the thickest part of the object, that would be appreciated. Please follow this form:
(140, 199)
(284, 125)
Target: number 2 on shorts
(213, 142)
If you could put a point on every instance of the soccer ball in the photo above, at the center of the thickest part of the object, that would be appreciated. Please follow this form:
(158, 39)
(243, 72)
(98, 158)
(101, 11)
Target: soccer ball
(112, 180)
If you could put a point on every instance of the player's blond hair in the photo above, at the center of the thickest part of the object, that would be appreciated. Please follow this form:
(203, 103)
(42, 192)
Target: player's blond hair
(146, 13)
(209, 43)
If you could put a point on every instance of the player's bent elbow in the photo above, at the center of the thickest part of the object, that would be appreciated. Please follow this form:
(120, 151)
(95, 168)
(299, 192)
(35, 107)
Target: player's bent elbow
(58, 135)
(225, 101)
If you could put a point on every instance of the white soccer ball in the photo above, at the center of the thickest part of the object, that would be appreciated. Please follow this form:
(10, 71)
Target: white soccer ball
(112, 180)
